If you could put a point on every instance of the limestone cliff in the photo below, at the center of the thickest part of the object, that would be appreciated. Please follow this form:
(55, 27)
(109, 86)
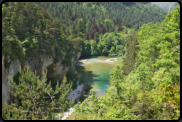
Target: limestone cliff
(11, 71)
(59, 70)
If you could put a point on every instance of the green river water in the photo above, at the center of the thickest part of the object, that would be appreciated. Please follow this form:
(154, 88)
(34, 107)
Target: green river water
(96, 71)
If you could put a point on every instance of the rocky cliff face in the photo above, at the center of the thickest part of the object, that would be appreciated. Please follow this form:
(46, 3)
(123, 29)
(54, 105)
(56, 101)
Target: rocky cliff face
(10, 72)
(59, 70)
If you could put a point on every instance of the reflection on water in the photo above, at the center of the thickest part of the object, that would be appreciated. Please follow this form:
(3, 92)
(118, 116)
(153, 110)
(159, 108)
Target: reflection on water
(96, 71)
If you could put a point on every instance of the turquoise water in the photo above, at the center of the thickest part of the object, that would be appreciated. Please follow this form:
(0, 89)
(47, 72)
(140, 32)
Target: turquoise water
(96, 71)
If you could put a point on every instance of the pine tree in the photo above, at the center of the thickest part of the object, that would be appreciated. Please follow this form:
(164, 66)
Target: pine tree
(37, 98)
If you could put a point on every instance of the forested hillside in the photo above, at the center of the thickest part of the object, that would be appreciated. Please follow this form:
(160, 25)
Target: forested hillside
(29, 30)
(145, 85)
(129, 14)
(104, 26)
(151, 88)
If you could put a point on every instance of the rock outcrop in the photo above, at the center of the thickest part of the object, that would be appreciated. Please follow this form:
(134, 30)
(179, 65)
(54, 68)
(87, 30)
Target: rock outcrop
(59, 69)
(10, 72)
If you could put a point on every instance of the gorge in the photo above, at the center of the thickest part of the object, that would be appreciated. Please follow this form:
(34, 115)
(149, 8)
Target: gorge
(95, 71)
(118, 60)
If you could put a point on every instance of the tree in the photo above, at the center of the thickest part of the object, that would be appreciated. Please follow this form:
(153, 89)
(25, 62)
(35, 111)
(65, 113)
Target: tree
(96, 37)
(105, 51)
(73, 30)
(88, 49)
(108, 43)
(92, 35)
(102, 30)
(119, 27)
(107, 24)
(86, 36)
(37, 98)
(95, 28)
(81, 26)
(112, 51)
(146, 84)
(93, 47)
(100, 47)
(88, 26)
(98, 12)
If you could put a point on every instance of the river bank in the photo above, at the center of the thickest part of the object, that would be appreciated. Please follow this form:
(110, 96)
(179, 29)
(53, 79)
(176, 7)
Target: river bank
(76, 94)
(110, 60)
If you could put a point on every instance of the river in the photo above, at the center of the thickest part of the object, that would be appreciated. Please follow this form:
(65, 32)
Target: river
(96, 71)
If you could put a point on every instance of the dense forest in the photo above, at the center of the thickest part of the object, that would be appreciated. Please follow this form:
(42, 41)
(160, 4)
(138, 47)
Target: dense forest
(104, 26)
(29, 30)
(130, 14)
(145, 85)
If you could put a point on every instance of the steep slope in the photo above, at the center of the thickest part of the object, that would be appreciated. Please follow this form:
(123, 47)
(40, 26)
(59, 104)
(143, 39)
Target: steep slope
(104, 26)
(133, 14)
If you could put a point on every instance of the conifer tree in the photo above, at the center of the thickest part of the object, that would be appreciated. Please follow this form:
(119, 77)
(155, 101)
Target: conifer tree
(37, 98)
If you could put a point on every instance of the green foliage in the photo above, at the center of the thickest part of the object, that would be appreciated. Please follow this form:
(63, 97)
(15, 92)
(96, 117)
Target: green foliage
(130, 57)
(131, 31)
(27, 29)
(146, 85)
(81, 97)
(86, 49)
(68, 57)
(81, 26)
(107, 24)
(102, 13)
(37, 98)
(76, 44)
(109, 44)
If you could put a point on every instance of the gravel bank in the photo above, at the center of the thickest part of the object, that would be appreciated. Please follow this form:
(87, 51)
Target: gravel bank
(73, 94)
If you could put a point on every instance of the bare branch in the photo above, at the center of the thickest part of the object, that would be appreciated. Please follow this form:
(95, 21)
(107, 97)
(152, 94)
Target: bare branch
(50, 96)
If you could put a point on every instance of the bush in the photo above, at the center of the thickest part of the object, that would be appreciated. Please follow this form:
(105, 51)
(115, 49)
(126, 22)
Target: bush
(76, 43)
(131, 31)
(81, 97)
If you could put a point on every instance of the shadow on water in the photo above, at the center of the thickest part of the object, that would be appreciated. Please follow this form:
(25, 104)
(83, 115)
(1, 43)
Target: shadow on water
(79, 63)
(94, 75)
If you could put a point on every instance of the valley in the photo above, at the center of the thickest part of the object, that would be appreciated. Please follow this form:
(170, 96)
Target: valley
(90, 61)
